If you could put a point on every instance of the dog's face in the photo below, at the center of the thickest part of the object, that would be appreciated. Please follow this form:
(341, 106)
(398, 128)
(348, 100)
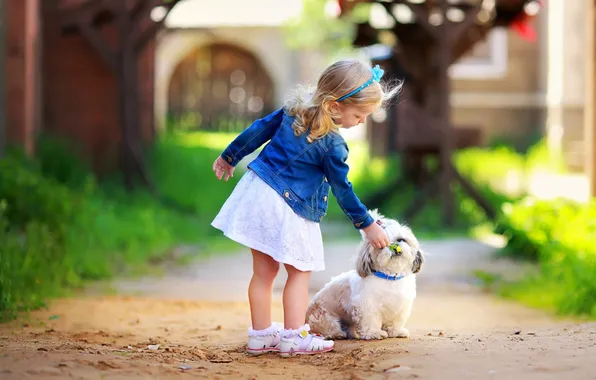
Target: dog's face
(406, 259)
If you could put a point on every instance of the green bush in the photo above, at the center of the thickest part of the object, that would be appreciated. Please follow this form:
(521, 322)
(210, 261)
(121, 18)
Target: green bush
(368, 175)
(59, 228)
(29, 263)
(559, 236)
(63, 162)
(182, 168)
(34, 197)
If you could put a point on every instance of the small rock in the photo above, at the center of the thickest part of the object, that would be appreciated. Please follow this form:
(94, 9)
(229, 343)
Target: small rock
(397, 368)
(517, 332)
(441, 333)
(429, 334)
(221, 360)
(198, 353)
(184, 367)
(531, 333)
(153, 347)
(104, 365)
(62, 365)
(129, 347)
(45, 371)
(218, 328)
(42, 349)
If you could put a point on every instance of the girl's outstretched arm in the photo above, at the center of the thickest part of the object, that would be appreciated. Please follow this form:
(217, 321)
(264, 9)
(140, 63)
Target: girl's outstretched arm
(336, 170)
(261, 131)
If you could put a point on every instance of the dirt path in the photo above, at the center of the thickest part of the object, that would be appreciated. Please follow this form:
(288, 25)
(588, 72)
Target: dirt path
(198, 317)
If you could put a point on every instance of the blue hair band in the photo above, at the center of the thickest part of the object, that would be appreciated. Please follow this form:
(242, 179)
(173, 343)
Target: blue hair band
(377, 74)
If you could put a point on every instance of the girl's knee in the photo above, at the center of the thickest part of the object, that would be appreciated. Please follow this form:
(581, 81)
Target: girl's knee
(265, 267)
(294, 273)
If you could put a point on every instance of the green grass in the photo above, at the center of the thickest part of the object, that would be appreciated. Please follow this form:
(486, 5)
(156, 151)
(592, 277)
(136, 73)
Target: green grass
(59, 228)
(559, 236)
(556, 235)
(368, 174)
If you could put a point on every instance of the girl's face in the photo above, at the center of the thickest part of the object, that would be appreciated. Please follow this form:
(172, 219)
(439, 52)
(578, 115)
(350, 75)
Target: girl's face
(351, 115)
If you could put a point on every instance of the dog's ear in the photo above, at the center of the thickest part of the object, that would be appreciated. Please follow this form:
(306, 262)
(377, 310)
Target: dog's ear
(363, 235)
(376, 215)
(377, 218)
(418, 261)
(364, 264)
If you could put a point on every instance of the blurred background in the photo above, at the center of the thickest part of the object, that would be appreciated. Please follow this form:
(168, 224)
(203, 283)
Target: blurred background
(112, 112)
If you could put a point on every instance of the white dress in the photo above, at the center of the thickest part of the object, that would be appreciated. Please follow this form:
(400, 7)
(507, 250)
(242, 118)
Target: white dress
(256, 216)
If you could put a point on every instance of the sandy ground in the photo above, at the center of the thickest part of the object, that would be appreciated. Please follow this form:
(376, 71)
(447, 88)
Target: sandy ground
(192, 324)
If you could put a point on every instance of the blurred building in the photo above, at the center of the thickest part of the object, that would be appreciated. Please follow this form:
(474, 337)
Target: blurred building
(56, 82)
(513, 89)
(223, 63)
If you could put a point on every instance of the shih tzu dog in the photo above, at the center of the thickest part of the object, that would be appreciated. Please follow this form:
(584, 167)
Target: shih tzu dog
(374, 301)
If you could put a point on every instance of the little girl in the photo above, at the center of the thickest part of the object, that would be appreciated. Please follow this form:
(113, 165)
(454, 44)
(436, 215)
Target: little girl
(277, 205)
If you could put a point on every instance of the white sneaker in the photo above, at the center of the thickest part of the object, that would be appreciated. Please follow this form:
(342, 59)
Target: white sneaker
(264, 341)
(301, 342)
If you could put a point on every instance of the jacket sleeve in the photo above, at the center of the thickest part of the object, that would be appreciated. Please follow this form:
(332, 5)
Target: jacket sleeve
(261, 131)
(336, 170)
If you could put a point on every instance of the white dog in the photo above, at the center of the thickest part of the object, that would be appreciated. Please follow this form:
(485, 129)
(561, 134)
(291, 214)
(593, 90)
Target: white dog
(375, 300)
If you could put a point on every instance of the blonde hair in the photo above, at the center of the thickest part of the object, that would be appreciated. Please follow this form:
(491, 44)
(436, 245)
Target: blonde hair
(312, 109)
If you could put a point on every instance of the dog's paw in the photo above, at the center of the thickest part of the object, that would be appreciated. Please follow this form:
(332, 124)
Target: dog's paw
(399, 333)
(373, 335)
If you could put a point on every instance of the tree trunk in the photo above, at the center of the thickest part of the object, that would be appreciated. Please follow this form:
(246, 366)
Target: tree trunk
(3, 37)
(132, 157)
(444, 108)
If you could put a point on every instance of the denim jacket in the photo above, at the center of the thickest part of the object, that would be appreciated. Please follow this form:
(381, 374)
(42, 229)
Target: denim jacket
(301, 172)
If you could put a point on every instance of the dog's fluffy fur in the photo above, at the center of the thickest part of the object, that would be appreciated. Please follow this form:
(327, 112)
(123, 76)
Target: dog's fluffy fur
(360, 305)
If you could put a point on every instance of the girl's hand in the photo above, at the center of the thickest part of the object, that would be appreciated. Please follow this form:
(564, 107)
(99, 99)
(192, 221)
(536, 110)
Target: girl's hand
(377, 236)
(221, 168)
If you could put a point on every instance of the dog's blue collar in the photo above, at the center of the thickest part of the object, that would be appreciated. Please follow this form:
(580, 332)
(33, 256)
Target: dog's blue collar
(387, 277)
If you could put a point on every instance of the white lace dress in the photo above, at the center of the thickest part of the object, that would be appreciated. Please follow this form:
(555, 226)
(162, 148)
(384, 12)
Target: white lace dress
(256, 216)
